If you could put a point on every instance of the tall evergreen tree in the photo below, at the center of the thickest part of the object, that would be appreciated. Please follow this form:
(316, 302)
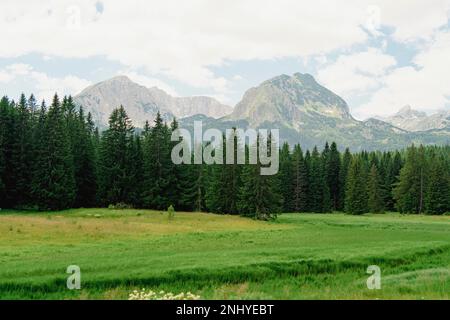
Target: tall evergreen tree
(285, 175)
(258, 196)
(318, 189)
(410, 189)
(114, 164)
(53, 181)
(356, 188)
(437, 199)
(343, 173)
(299, 184)
(332, 167)
(157, 166)
(375, 201)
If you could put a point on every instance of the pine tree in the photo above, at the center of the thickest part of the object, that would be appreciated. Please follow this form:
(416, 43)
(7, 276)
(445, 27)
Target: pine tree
(22, 154)
(409, 191)
(318, 189)
(285, 175)
(258, 196)
(392, 175)
(157, 166)
(114, 163)
(53, 181)
(437, 199)
(343, 173)
(375, 201)
(299, 184)
(85, 161)
(356, 188)
(4, 146)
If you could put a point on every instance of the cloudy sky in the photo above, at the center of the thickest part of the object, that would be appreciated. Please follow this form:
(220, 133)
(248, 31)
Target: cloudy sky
(379, 55)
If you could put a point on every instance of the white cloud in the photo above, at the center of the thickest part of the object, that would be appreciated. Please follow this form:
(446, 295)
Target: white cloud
(356, 73)
(184, 39)
(44, 86)
(413, 19)
(180, 39)
(425, 87)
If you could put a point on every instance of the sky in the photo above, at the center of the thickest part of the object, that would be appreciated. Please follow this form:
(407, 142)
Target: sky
(379, 55)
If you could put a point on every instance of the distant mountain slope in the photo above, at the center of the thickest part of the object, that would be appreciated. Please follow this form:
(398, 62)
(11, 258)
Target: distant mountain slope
(143, 103)
(413, 120)
(309, 114)
(304, 111)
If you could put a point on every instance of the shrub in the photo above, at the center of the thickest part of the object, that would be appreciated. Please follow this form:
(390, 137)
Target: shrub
(171, 212)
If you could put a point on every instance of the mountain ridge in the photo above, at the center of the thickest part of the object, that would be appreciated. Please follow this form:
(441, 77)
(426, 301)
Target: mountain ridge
(142, 103)
(414, 121)
(304, 111)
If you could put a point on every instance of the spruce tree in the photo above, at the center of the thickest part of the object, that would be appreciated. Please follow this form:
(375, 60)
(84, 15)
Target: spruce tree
(53, 181)
(356, 187)
(437, 199)
(333, 168)
(410, 189)
(157, 166)
(285, 175)
(318, 188)
(343, 173)
(115, 183)
(299, 181)
(85, 161)
(259, 197)
(375, 201)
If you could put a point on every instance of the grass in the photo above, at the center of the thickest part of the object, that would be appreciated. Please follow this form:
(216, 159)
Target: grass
(299, 256)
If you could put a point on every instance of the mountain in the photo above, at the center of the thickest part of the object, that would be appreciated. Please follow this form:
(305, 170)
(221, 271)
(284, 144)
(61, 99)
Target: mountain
(291, 101)
(304, 111)
(143, 103)
(413, 120)
(307, 113)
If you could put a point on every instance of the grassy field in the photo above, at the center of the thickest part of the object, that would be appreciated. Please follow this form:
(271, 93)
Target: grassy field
(299, 256)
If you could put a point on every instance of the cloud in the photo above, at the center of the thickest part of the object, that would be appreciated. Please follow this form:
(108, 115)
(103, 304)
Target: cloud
(424, 86)
(356, 73)
(44, 85)
(181, 40)
(184, 40)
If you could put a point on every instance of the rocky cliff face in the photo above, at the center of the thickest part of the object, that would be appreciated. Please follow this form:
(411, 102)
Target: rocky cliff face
(143, 103)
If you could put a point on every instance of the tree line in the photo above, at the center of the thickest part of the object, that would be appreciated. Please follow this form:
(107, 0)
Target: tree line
(55, 158)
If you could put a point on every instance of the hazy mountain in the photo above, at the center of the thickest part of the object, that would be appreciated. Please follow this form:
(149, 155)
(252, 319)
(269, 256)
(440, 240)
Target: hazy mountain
(309, 114)
(143, 103)
(413, 120)
(303, 110)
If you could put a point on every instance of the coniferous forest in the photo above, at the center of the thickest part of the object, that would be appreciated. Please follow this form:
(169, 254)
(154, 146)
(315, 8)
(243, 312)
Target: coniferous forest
(53, 157)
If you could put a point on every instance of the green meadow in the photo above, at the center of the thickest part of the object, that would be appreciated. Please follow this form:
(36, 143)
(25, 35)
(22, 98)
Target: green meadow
(298, 256)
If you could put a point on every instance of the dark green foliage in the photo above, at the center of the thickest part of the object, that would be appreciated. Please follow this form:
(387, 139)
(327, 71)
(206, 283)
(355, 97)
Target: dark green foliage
(343, 173)
(286, 170)
(157, 166)
(299, 182)
(53, 184)
(115, 167)
(259, 195)
(57, 159)
(356, 187)
(319, 195)
(374, 188)
(409, 192)
(437, 200)
(332, 167)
